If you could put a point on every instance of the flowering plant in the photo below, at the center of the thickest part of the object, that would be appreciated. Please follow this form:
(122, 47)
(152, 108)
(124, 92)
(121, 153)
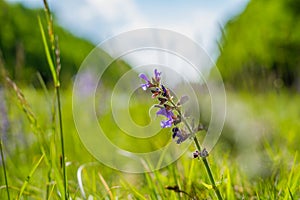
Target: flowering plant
(172, 110)
(169, 108)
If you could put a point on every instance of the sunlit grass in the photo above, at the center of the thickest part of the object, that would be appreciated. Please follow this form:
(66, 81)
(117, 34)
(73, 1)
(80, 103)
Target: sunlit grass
(274, 149)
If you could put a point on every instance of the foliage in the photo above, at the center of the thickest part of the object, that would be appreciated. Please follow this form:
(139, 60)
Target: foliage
(261, 46)
(20, 43)
(275, 149)
(21, 49)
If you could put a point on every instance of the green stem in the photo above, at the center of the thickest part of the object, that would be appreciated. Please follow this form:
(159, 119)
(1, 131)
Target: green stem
(4, 170)
(62, 142)
(205, 161)
(208, 170)
(48, 184)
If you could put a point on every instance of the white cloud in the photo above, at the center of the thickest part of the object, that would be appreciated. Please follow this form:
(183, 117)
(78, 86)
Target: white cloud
(114, 10)
(98, 20)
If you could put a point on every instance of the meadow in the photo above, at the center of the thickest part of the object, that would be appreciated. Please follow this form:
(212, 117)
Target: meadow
(255, 158)
(43, 157)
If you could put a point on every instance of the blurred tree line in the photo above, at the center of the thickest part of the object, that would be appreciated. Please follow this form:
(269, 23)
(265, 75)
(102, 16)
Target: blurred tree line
(23, 53)
(22, 48)
(260, 48)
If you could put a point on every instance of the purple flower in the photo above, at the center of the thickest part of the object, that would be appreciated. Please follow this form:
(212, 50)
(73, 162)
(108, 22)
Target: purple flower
(196, 154)
(167, 113)
(157, 75)
(182, 135)
(202, 154)
(147, 84)
(164, 91)
(166, 123)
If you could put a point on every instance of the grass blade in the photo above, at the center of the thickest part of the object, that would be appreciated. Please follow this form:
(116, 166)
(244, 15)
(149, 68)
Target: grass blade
(62, 142)
(292, 179)
(135, 191)
(106, 186)
(44, 87)
(4, 169)
(48, 55)
(79, 180)
(29, 176)
(291, 195)
(229, 191)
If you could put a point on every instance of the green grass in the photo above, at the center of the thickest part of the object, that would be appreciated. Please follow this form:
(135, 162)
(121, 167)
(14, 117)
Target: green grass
(266, 168)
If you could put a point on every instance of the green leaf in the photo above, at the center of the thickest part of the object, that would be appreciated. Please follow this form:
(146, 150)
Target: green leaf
(208, 186)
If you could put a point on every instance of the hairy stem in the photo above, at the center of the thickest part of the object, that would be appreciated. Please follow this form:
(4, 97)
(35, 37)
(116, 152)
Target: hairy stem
(204, 159)
(208, 170)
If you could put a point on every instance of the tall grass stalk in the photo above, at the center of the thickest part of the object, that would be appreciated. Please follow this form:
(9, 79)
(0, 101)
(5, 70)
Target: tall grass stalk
(4, 170)
(62, 142)
(55, 68)
(30, 116)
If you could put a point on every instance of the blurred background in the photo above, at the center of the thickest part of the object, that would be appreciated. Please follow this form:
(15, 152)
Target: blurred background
(254, 43)
(84, 24)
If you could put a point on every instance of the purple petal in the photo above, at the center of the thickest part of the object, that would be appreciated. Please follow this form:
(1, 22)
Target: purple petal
(181, 135)
(181, 138)
(170, 114)
(167, 113)
(164, 91)
(145, 86)
(166, 123)
(163, 112)
(196, 154)
(157, 74)
(143, 76)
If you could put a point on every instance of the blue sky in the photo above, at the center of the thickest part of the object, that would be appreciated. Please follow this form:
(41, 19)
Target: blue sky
(97, 20)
